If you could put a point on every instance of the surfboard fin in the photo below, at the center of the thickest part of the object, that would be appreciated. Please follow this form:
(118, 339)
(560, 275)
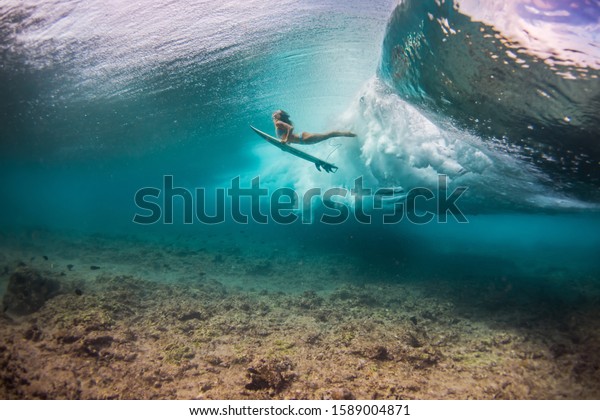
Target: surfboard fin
(329, 168)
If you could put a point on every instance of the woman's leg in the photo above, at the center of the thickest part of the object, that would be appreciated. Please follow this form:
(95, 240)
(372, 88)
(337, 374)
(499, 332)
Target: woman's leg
(312, 138)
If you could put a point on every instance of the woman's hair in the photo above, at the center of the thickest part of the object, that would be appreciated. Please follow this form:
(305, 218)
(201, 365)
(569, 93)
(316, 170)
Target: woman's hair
(281, 115)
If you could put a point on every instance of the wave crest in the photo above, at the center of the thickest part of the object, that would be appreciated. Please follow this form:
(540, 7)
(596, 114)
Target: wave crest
(528, 82)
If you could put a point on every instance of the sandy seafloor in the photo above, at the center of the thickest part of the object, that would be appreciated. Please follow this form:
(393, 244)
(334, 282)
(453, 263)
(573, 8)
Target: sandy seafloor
(238, 317)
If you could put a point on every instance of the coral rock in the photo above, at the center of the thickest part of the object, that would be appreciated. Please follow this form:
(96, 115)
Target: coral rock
(27, 291)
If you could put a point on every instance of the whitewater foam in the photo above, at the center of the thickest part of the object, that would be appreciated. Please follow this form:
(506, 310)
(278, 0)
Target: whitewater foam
(399, 145)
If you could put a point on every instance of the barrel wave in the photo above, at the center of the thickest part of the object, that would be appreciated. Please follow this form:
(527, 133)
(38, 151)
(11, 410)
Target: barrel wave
(153, 246)
(522, 75)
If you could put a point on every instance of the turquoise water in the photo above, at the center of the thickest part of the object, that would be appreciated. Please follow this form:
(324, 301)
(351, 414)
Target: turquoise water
(453, 255)
(97, 103)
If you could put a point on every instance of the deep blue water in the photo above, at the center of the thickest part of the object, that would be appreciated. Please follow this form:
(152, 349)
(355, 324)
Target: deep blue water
(98, 102)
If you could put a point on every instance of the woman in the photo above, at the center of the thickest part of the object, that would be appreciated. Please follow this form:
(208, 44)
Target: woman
(285, 131)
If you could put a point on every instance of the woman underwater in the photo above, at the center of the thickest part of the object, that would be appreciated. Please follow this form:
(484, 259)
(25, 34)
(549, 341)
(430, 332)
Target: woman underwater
(285, 131)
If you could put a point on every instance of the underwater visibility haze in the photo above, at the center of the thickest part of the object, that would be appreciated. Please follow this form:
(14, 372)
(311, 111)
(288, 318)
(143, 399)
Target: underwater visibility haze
(100, 100)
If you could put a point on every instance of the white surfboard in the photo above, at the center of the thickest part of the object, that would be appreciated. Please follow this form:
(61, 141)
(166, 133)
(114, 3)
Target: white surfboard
(319, 163)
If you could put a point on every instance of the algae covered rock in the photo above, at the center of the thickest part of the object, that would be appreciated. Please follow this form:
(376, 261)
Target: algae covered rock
(273, 374)
(27, 291)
